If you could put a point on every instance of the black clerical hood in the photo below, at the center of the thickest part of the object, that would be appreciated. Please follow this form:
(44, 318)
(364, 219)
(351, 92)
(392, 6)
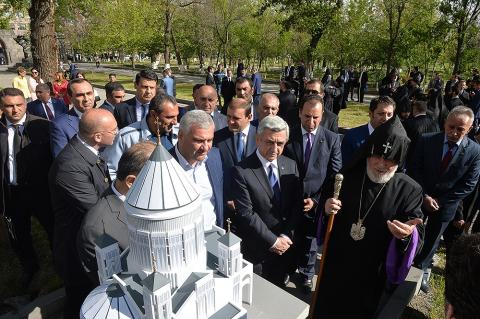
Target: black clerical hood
(388, 140)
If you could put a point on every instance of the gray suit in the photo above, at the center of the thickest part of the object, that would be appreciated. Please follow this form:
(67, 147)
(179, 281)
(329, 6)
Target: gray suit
(219, 120)
(107, 216)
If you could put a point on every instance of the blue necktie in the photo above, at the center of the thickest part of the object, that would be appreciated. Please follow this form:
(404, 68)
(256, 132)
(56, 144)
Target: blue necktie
(240, 147)
(308, 149)
(144, 111)
(272, 178)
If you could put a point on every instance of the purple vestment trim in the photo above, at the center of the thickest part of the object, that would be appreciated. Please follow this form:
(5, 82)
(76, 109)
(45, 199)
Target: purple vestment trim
(399, 263)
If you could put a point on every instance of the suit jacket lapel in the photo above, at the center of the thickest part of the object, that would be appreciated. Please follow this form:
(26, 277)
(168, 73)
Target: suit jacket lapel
(459, 154)
(231, 146)
(297, 144)
(317, 146)
(3, 143)
(251, 144)
(438, 153)
(115, 205)
(261, 175)
(132, 111)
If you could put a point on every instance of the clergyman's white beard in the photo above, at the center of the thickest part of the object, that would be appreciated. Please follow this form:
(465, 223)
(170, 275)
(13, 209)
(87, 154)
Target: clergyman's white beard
(380, 178)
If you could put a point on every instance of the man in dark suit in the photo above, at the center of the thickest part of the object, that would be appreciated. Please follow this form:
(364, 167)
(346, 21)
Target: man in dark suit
(209, 79)
(362, 84)
(447, 166)
(381, 110)
(45, 106)
(267, 194)
(417, 125)
(269, 105)
(316, 151)
(288, 72)
(202, 163)
(77, 179)
(115, 93)
(288, 103)
(25, 160)
(244, 90)
(206, 99)
(108, 216)
(227, 90)
(65, 126)
(136, 108)
(329, 119)
(257, 85)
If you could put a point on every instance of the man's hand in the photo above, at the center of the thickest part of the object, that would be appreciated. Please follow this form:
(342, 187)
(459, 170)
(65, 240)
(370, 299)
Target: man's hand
(459, 224)
(430, 204)
(402, 230)
(281, 245)
(308, 204)
(231, 205)
(332, 206)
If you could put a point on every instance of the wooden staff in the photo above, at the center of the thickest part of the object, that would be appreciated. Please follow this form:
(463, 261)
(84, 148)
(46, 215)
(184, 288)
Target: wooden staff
(331, 218)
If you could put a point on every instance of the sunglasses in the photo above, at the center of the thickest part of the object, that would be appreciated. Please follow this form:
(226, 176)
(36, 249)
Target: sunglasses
(311, 92)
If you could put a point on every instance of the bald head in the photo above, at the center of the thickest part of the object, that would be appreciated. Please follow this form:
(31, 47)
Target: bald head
(98, 127)
(206, 98)
(269, 105)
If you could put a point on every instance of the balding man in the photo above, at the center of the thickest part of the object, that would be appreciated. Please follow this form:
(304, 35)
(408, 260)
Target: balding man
(45, 106)
(329, 119)
(206, 99)
(269, 105)
(77, 179)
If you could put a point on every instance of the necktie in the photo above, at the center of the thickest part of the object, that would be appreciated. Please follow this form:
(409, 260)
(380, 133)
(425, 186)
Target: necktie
(308, 149)
(272, 178)
(17, 145)
(240, 147)
(144, 111)
(50, 115)
(447, 158)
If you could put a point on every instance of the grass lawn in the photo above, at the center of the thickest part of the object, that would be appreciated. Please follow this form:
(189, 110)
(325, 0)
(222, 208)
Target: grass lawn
(355, 114)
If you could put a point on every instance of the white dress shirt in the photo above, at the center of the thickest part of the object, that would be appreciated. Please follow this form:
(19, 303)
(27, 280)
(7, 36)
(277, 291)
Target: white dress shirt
(370, 128)
(91, 148)
(49, 104)
(138, 109)
(78, 112)
(199, 175)
(12, 166)
(116, 192)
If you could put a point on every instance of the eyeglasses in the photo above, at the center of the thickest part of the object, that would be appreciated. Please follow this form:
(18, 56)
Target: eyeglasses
(34, 72)
(311, 92)
(113, 132)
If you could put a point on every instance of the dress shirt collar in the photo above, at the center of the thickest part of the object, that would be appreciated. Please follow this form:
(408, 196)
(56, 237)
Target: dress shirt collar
(265, 163)
(116, 192)
(92, 149)
(78, 112)
(21, 122)
(445, 141)
(183, 162)
(139, 104)
(245, 130)
(304, 131)
(370, 128)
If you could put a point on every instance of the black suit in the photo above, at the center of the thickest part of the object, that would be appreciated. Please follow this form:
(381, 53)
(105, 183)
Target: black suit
(107, 216)
(30, 196)
(288, 107)
(77, 179)
(415, 127)
(329, 121)
(228, 92)
(260, 219)
(126, 113)
(325, 161)
(107, 106)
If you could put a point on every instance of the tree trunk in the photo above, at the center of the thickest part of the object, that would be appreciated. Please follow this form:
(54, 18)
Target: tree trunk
(312, 46)
(42, 37)
(177, 52)
(459, 48)
(166, 35)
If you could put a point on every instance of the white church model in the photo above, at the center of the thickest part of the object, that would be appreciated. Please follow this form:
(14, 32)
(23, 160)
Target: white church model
(172, 268)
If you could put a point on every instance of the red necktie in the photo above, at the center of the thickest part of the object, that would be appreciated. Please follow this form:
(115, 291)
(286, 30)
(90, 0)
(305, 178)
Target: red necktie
(49, 112)
(447, 158)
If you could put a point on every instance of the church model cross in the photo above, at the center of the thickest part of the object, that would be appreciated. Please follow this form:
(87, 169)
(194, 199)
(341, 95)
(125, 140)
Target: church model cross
(157, 124)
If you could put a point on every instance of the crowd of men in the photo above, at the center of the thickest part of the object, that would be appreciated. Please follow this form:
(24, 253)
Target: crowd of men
(268, 167)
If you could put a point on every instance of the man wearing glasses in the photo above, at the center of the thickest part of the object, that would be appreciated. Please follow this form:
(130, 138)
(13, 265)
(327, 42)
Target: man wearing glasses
(329, 119)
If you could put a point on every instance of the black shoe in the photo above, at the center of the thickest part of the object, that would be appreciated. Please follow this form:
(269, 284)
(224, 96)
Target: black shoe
(425, 287)
(307, 286)
(286, 280)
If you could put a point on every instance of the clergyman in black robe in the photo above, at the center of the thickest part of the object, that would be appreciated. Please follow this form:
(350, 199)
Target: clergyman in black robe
(355, 273)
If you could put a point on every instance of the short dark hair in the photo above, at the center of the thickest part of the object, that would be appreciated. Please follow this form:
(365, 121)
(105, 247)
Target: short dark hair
(311, 98)
(462, 283)
(11, 92)
(383, 99)
(157, 103)
(316, 81)
(147, 74)
(241, 80)
(42, 87)
(245, 106)
(112, 74)
(113, 86)
(196, 87)
(420, 106)
(75, 81)
(133, 159)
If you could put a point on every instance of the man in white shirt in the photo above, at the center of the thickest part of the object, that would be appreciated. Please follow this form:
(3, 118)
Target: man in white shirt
(206, 99)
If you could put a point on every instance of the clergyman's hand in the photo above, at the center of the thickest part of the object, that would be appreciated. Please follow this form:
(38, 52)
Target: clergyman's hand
(308, 204)
(430, 204)
(332, 206)
(402, 230)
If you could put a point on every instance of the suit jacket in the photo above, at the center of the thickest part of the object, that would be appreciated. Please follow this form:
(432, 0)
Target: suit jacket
(77, 179)
(107, 216)
(257, 83)
(33, 160)
(228, 89)
(325, 160)
(63, 128)
(352, 141)
(209, 80)
(107, 106)
(215, 175)
(330, 121)
(259, 219)
(36, 108)
(458, 180)
(125, 113)
(288, 73)
(219, 120)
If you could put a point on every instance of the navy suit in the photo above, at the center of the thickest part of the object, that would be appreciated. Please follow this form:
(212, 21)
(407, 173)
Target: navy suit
(215, 175)
(126, 113)
(449, 188)
(36, 108)
(63, 128)
(107, 106)
(325, 161)
(352, 141)
(219, 120)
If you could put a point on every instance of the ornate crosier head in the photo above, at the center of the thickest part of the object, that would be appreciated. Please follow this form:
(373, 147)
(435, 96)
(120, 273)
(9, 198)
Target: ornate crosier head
(157, 124)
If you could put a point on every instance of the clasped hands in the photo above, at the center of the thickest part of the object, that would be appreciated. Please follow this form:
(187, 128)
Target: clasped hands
(281, 245)
(398, 229)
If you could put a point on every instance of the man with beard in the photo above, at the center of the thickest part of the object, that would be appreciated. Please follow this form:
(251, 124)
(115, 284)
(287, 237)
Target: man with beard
(162, 114)
(377, 207)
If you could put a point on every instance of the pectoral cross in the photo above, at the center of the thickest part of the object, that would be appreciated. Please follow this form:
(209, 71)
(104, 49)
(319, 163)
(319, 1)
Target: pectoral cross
(229, 221)
(157, 124)
(387, 147)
